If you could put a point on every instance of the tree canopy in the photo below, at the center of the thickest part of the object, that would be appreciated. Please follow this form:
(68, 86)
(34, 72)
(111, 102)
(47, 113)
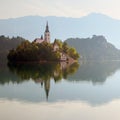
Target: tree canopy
(28, 51)
(7, 44)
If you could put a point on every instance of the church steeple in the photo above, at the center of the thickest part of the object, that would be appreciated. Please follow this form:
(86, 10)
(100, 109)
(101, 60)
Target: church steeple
(41, 37)
(46, 37)
(47, 27)
(47, 34)
(47, 88)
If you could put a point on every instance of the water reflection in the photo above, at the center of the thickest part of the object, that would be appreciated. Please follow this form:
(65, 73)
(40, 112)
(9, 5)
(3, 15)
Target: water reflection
(43, 73)
(39, 82)
(95, 72)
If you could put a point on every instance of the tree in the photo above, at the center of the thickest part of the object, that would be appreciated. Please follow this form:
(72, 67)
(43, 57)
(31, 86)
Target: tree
(73, 53)
(65, 47)
(28, 51)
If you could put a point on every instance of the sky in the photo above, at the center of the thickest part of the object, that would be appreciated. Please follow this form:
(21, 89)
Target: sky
(66, 8)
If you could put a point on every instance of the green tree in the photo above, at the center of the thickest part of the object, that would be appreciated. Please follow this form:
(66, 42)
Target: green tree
(65, 47)
(73, 53)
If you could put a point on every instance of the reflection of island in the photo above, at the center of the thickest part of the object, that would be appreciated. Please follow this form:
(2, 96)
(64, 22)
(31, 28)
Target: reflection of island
(18, 82)
(42, 73)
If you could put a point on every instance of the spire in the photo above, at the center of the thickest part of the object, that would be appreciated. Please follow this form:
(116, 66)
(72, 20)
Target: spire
(47, 94)
(47, 34)
(47, 87)
(47, 27)
(41, 37)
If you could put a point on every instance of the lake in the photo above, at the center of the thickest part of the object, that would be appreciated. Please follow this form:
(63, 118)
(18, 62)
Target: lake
(60, 91)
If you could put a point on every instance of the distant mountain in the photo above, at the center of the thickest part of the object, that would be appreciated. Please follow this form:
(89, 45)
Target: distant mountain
(95, 48)
(30, 27)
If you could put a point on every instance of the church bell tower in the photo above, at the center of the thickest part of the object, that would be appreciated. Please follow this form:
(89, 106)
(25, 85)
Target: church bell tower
(47, 34)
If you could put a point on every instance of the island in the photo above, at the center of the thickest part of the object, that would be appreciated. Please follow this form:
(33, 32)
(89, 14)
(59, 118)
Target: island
(42, 50)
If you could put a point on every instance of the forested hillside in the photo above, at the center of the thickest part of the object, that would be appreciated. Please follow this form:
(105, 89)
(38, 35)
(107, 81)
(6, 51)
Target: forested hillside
(95, 48)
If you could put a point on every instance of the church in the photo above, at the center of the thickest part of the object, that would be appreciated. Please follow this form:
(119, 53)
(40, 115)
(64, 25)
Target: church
(46, 36)
(56, 47)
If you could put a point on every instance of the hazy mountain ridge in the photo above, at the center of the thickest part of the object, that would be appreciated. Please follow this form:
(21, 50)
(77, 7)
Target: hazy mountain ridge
(30, 27)
(95, 48)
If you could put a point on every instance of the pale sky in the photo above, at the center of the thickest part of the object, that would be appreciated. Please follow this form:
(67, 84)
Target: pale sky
(67, 8)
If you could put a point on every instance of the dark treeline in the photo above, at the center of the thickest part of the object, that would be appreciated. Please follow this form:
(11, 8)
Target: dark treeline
(7, 44)
(28, 51)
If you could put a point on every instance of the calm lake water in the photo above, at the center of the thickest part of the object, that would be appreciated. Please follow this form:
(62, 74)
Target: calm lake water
(60, 91)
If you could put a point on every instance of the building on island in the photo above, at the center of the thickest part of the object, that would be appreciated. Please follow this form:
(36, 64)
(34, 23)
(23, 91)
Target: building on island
(56, 47)
(39, 40)
(46, 36)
